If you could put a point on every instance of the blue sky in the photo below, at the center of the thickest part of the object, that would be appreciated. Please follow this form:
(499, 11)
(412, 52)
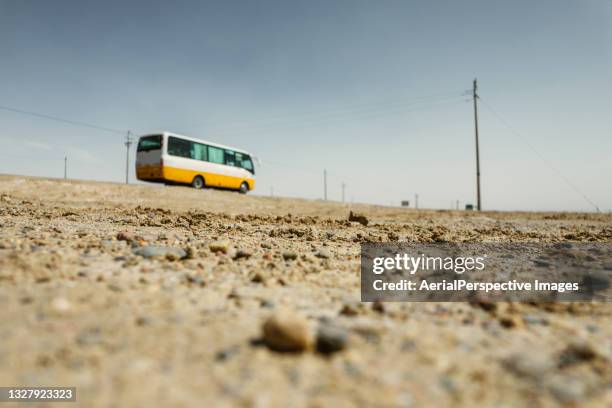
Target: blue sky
(324, 84)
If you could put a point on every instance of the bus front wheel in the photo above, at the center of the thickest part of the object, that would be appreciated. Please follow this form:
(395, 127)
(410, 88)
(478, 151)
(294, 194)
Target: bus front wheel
(198, 182)
(244, 188)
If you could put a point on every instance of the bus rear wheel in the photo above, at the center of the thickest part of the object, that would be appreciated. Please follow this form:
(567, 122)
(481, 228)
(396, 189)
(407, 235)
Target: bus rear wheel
(244, 188)
(198, 182)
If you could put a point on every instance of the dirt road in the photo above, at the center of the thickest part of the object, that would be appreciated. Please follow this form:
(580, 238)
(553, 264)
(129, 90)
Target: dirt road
(144, 296)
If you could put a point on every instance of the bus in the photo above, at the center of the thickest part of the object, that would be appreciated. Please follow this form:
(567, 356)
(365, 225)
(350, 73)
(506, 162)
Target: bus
(176, 159)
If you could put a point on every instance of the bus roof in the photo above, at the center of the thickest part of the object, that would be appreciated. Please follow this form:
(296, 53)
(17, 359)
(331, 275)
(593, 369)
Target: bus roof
(195, 139)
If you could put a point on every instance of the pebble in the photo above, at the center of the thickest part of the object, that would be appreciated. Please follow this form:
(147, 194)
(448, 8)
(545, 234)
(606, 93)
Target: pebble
(243, 253)
(290, 256)
(323, 254)
(531, 365)
(352, 309)
(362, 219)
(535, 319)
(226, 354)
(258, 278)
(331, 338)
(154, 251)
(60, 305)
(566, 389)
(287, 331)
(125, 236)
(219, 246)
(576, 352)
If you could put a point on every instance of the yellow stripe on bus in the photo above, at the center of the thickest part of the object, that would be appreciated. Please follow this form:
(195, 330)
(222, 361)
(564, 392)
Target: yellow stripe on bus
(186, 176)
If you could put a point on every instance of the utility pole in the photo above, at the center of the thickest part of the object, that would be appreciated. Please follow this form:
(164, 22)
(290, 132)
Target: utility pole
(325, 184)
(65, 167)
(416, 201)
(343, 188)
(475, 96)
(128, 143)
(271, 191)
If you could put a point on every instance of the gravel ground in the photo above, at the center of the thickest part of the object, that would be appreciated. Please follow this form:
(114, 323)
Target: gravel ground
(144, 296)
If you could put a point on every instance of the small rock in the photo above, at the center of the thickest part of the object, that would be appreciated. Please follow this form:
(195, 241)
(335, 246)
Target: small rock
(125, 236)
(219, 246)
(243, 253)
(258, 278)
(358, 218)
(268, 304)
(154, 251)
(535, 319)
(576, 352)
(323, 254)
(531, 365)
(287, 331)
(331, 338)
(143, 321)
(266, 245)
(195, 279)
(190, 252)
(115, 287)
(541, 263)
(60, 305)
(378, 306)
(350, 309)
(290, 256)
(567, 389)
(226, 354)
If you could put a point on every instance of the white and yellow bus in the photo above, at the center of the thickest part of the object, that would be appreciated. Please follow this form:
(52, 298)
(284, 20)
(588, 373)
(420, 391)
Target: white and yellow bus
(170, 158)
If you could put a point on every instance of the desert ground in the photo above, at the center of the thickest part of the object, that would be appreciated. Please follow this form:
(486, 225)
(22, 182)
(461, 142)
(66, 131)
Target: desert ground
(159, 296)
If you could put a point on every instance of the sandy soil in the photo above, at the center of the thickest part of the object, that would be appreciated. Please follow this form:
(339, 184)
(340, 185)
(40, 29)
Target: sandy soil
(84, 306)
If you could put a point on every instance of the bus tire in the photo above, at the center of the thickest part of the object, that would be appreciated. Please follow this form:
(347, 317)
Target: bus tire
(198, 182)
(244, 188)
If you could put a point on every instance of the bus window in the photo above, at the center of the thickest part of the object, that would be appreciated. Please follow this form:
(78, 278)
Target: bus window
(230, 158)
(199, 152)
(149, 143)
(247, 164)
(179, 147)
(215, 155)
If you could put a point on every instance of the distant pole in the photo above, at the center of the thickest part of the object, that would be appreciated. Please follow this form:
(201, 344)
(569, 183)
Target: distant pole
(271, 191)
(65, 167)
(475, 96)
(457, 205)
(325, 184)
(343, 188)
(416, 201)
(128, 143)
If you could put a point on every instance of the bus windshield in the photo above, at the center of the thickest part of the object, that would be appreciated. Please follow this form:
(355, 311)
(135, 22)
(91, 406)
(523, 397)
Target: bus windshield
(149, 143)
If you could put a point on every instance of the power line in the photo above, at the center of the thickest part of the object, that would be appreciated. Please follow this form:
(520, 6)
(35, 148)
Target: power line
(537, 153)
(340, 119)
(58, 119)
(367, 105)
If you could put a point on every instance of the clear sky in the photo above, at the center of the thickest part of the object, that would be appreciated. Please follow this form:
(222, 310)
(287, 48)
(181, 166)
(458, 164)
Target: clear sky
(308, 85)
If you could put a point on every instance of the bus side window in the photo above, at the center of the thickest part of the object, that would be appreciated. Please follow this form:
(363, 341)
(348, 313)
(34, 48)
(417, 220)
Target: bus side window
(239, 159)
(215, 155)
(199, 152)
(179, 147)
(230, 158)
(247, 164)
